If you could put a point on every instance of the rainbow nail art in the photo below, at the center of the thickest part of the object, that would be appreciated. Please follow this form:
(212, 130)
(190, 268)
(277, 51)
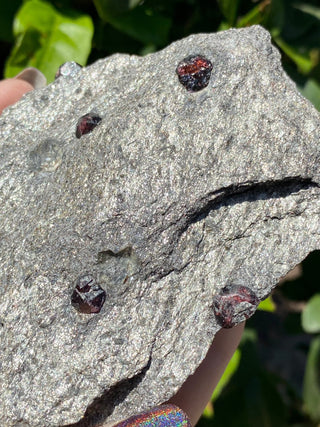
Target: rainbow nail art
(160, 416)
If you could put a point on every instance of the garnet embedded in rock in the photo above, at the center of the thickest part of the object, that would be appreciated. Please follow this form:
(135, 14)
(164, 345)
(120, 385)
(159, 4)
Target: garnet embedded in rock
(234, 304)
(88, 297)
(194, 72)
(86, 124)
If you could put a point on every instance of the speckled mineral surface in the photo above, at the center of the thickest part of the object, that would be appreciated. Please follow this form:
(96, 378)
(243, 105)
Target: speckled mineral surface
(176, 197)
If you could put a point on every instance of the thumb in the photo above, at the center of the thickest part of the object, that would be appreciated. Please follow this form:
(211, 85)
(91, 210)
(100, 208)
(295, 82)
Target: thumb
(11, 90)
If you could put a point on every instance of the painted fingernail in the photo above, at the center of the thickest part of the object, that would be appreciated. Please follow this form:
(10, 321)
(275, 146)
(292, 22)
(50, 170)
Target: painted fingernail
(161, 416)
(33, 76)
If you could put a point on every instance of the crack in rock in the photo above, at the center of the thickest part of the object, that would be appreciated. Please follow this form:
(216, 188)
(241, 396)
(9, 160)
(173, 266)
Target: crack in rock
(103, 406)
(249, 192)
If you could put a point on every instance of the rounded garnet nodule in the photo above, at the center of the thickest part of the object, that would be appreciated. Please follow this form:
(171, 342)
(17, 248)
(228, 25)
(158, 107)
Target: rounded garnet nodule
(86, 124)
(194, 72)
(234, 304)
(88, 297)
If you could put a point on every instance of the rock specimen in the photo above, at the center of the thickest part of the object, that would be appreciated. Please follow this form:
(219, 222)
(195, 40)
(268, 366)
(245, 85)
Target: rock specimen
(170, 217)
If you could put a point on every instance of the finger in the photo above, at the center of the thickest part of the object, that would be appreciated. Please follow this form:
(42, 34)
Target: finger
(196, 392)
(11, 90)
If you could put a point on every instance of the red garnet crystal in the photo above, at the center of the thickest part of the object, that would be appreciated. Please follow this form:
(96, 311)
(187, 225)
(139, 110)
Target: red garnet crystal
(194, 72)
(86, 124)
(88, 297)
(234, 304)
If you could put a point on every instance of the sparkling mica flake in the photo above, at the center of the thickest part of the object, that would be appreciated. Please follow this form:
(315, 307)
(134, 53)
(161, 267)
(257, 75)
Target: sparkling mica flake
(234, 304)
(160, 416)
(86, 124)
(194, 72)
(88, 297)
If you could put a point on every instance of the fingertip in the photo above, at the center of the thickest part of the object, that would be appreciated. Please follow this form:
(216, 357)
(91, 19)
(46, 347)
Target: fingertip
(195, 393)
(11, 90)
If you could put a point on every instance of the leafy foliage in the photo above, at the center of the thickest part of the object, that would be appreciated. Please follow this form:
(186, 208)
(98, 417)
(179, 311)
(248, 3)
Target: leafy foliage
(311, 391)
(45, 38)
(267, 305)
(274, 377)
(143, 23)
(253, 392)
(311, 315)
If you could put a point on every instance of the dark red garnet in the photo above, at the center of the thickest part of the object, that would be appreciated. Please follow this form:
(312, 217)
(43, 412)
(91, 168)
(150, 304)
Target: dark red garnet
(88, 297)
(86, 124)
(234, 304)
(194, 72)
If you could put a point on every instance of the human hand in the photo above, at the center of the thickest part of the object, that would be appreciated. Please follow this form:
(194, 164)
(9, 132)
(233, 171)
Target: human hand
(11, 90)
(194, 394)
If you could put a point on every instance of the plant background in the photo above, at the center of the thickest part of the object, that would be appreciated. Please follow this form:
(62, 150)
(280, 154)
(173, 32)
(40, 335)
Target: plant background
(274, 377)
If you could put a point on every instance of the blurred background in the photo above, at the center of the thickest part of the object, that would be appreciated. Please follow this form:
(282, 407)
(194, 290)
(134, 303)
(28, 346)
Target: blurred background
(274, 377)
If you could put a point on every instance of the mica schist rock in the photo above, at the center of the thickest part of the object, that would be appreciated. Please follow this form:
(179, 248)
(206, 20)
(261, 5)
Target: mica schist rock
(188, 188)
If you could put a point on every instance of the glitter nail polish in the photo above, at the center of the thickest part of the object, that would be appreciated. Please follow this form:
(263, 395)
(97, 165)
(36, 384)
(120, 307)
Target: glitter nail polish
(160, 416)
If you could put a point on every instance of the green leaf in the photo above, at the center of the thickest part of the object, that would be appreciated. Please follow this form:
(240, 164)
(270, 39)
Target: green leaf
(311, 315)
(229, 10)
(252, 393)
(208, 411)
(254, 17)
(311, 90)
(270, 14)
(302, 60)
(309, 9)
(141, 23)
(223, 26)
(147, 49)
(230, 370)
(275, 17)
(263, 403)
(46, 38)
(267, 305)
(110, 8)
(311, 386)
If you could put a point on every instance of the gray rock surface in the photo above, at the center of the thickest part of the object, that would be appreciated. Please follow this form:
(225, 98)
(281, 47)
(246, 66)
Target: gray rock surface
(172, 197)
